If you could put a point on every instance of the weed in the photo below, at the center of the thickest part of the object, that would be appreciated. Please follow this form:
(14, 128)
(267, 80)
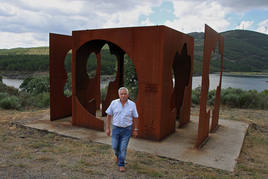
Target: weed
(40, 144)
(4, 138)
(21, 165)
(146, 170)
(44, 158)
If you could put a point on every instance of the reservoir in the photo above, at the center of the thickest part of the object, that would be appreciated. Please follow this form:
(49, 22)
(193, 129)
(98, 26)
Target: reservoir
(12, 82)
(243, 82)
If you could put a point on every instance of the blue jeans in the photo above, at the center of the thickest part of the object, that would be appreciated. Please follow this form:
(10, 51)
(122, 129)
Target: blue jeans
(120, 139)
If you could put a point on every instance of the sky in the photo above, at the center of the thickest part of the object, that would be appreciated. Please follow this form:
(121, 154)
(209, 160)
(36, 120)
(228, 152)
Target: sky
(27, 23)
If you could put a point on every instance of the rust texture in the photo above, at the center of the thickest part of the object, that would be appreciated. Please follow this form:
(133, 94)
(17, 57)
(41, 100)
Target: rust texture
(211, 39)
(60, 105)
(155, 52)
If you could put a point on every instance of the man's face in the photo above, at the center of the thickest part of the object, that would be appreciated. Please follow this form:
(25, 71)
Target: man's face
(123, 95)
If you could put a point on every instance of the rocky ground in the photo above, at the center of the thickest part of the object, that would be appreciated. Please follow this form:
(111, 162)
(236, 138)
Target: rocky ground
(29, 153)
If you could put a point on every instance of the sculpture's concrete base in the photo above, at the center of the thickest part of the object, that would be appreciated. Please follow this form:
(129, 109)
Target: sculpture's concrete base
(221, 150)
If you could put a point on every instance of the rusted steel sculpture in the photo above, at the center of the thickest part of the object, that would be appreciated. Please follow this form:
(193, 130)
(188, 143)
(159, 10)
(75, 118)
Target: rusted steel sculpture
(210, 44)
(60, 105)
(155, 51)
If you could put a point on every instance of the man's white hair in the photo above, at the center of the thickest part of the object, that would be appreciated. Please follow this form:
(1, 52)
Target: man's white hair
(122, 88)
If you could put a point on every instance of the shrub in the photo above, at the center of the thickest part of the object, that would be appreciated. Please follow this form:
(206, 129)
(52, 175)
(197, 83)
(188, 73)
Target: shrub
(7, 89)
(230, 97)
(235, 98)
(68, 86)
(196, 95)
(41, 100)
(67, 93)
(26, 99)
(3, 95)
(211, 97)
(133, 93)
(35, 85)
(263, 100)
(10, 102)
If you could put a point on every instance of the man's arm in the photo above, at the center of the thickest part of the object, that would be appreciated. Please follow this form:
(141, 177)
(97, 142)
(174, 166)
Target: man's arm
(108, 123)
(135, 121)
(135, 125)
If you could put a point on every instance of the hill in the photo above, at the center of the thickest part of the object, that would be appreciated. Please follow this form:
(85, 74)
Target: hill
(25, 51)
(244, 51)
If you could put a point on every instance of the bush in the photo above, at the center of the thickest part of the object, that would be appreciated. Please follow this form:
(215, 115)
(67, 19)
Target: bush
(3, 95)
(196, 95)
(41, 100)
(68, 86)
(35, 85)
(7, 89)
(235, 98)
(211, 97)
(67, 93)
(26, 99)
(10, 102)
(230, 98)
(130, 79)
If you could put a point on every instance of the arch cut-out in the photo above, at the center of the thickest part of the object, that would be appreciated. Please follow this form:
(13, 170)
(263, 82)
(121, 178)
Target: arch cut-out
(182, 69)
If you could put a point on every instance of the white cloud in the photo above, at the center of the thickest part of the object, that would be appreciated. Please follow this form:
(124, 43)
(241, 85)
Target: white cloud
(34, 19)
(147, 22)
(128, 13)
(263, 27)
(244, 25)
(64, 16)
(237, 5)
(125, 18)
(191, 16)
(244, 5)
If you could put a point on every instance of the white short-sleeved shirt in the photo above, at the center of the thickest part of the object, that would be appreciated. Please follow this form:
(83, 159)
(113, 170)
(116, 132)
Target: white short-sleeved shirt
(122, 116)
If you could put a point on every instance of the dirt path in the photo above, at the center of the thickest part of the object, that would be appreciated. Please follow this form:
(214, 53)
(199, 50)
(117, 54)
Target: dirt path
(29, 153)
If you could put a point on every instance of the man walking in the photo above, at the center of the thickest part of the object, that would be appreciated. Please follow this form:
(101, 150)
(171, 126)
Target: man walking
(124, 113)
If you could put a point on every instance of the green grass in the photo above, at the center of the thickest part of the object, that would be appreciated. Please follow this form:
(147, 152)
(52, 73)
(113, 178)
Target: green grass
(25, 51)
(246, 73)
(40, 144)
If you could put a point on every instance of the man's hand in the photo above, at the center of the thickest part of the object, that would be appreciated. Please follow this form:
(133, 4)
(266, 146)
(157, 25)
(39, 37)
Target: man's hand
(108, 132)
(135, 133)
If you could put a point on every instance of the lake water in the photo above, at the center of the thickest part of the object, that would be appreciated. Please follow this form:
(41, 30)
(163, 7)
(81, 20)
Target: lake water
(245, 83)
(12, 82)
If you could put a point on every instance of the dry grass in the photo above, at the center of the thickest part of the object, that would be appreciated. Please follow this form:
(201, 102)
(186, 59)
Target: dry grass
(28, 153)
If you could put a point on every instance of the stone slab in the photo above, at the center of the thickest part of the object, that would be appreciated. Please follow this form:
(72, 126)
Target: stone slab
(221, 150)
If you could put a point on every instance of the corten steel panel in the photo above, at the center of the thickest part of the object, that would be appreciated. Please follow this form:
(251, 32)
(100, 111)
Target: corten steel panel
(210, 42)
(60, 105)
(84, 118)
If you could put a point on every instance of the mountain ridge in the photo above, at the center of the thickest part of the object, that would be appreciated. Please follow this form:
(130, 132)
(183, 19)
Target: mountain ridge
(244, 51)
